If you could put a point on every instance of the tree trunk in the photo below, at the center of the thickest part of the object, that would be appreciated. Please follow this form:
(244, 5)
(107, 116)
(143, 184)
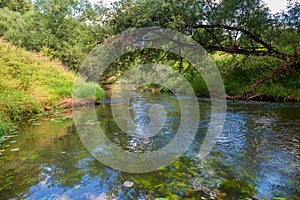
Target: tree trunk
(285, 67)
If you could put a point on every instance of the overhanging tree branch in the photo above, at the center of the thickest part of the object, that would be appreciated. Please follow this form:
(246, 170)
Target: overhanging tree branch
(265, 50)
(237, 50)
(270, 50)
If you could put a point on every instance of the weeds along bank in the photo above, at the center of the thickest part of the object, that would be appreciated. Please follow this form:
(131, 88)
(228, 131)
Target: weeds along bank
(239, 73)
(29, 83)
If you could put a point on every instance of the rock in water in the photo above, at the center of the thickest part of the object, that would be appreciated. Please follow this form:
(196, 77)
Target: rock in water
(128, 184)
(15, 149)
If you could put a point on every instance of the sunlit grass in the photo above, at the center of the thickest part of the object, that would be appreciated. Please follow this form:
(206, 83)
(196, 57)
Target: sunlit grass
(29, 82)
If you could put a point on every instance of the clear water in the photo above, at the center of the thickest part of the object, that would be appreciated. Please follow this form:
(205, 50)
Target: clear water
(256, 156)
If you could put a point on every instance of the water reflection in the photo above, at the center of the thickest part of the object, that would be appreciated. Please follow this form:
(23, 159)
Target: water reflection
(257, 156)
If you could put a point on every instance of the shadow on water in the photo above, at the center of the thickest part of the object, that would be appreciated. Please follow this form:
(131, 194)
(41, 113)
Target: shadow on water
(256, 156)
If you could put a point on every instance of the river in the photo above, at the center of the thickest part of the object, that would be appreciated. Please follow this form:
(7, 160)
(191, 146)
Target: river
(256, 156)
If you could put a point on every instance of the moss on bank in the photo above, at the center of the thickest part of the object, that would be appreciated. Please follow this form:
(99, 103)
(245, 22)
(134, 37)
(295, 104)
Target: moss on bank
(30, 82)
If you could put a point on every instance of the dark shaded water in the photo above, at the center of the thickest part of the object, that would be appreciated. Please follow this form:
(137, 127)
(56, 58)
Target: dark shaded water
(257, 156)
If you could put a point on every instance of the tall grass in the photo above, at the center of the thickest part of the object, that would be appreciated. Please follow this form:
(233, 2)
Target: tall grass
(239, 73)
(30, 82)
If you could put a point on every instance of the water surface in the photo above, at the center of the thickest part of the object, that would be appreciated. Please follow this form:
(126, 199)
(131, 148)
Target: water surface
(256, 156)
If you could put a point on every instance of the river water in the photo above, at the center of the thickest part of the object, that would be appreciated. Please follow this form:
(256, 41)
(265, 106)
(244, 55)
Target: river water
(256, 156)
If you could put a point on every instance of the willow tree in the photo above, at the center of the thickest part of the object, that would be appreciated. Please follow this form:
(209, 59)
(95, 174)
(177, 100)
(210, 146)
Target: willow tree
(245, 27)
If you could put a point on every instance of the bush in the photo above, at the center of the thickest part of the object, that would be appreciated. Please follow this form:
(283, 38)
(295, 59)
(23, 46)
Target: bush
(30, 82)
(5, 127)
(199, 86)
(68, 40)
(240, 73)
(9, 20)
(17, 106)
(88, 90)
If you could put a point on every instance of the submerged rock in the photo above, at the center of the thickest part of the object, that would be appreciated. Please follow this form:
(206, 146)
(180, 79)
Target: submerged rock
(128, 184)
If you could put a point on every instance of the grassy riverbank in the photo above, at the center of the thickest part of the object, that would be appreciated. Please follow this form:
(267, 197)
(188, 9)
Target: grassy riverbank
(239, 73)
(31, 83)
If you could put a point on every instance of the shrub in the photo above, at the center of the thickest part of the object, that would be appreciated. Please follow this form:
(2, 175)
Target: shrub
(9, 20)
(17, 106)
(29, 82)
(5, 127)
(88, 90)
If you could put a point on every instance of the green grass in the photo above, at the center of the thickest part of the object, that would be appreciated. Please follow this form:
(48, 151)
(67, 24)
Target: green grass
(239, 74)
(84, 90)
(29, 82)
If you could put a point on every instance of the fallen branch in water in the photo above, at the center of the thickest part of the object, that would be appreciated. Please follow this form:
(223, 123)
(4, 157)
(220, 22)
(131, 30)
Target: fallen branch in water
(255, 96)
(71, 103)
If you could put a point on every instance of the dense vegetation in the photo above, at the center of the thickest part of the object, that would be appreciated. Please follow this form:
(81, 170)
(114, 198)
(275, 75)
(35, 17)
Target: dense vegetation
(29, 83)
(56, 28)
(255, 50)
(261, 48)
(44, 42)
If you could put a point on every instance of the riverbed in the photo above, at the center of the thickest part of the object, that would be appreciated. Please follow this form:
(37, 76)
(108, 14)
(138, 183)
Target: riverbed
(256, 156)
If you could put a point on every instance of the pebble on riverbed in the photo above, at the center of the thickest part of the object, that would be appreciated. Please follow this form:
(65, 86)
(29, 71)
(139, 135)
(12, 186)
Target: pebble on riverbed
(128, 184)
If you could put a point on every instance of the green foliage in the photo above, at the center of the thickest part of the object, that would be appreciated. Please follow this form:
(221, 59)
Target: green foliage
(240, 72)
(277, 92)
(199, 86)
(9, 20)
(250, 15)
(63, 29)
(18, 106)
(29, 82)
(88, 90)
(236, 27)
(5, 127)
(148, 13)
(68, 29)
(16, 5)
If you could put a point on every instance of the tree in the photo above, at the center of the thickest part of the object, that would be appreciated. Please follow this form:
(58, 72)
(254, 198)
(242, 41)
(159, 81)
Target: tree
(21, 6)
(71, 26)
(63, 29)
(244, 27)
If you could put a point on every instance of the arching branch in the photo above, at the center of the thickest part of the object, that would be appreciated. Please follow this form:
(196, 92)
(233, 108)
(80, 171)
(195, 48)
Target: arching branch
(270, 50)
